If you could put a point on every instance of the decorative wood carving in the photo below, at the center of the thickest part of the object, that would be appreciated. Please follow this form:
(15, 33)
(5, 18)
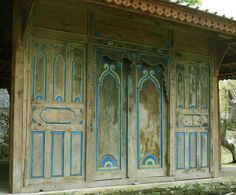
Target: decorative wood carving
(177, 13)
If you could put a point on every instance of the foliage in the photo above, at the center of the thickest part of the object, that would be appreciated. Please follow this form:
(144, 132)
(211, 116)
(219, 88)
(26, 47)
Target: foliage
(191, 2)
(4, 134)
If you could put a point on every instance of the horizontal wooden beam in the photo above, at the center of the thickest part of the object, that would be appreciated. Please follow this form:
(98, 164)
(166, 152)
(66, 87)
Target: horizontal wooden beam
(229, 60)
(174, 12)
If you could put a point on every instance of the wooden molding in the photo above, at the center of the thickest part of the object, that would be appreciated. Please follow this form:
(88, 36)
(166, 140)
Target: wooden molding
(175, 12)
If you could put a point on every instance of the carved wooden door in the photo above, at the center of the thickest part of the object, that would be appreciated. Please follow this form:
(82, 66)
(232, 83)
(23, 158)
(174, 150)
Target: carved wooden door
(110, 119)
(192, 131)
(57, 130)
(146, 110)
(129, 115)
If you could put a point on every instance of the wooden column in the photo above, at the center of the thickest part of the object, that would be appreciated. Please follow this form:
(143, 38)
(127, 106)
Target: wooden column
(90, 95)
(20, 98)
(214, 113)
(172, 108)
(15, 159)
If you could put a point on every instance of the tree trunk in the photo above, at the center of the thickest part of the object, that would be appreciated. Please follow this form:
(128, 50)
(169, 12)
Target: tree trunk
(230, 147)
(225, 142)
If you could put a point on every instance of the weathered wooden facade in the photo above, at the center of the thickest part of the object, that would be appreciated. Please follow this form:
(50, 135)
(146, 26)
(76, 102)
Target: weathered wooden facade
(114, 92)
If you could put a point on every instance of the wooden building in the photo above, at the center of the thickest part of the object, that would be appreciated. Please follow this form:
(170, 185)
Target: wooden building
(113, 92)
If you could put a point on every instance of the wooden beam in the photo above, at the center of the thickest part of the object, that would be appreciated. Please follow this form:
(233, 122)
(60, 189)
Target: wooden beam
(214, 114)
(15, 157)
(229, 60)
(90, 96)
(221, 51)
(28, 6)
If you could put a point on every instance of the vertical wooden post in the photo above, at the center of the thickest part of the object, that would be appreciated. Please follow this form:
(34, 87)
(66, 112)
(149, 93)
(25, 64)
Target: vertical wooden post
(90, 95)
(214, 115)
(16, 118)
(172, 108)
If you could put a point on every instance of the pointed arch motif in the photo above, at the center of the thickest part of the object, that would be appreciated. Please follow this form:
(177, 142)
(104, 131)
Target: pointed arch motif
(141, 163)
(109, 70)
(41, 93)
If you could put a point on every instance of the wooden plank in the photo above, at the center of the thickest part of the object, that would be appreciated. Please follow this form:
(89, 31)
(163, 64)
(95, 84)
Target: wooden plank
(214, 117)
(58, 34)
(90, 96)
(16, 157)
(154, 35)
(172, 110)
(191, 42)
(132, 137)
(73, 19)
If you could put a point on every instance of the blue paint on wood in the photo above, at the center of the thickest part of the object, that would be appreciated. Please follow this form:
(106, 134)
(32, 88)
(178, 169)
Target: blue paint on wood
(192, 134)
(56, 96)
(39, 96)
(148, 75)
(182, 164)
(80, 149)
(202, 135)
(42, 133)
(108, 162)
(109, 70)
(150, 161)
(62, 151)
(80, 98)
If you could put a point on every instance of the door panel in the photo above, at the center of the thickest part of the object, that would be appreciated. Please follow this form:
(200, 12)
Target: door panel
(128, 82)
(148, 123)
(110, 114)
(149, 76)
(192, 90)
(109, 120)
(58, 111)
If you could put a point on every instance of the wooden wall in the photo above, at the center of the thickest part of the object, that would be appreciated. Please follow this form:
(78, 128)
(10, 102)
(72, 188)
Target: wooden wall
(116, 95)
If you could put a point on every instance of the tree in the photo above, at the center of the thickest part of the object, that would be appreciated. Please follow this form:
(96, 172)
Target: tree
(229, 123)
(227, 95)
(191, 2)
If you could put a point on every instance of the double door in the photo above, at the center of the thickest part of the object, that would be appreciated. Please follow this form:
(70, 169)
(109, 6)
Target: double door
(129, 111)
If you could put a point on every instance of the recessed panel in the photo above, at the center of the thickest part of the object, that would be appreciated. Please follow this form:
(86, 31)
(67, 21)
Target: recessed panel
(76, 153)
(59, 78)
(204, 149)
(37, 154)
(149, 126)
(39, 76)
(193, 150)
(57, 154)
(108, 114)
(180, 150)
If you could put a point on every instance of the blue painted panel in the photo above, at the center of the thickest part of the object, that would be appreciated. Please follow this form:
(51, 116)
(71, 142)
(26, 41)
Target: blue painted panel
(57, 154)
(180, 150)
(180, 89)
(150, 161)
(204, 149)
(37, 154)
(50, 115)
(108, 162)
(192, 150)
(106, 145)
(76, 153)
(204, 88)
(39, 76)
(149, 76)
(77, 80)
(59, 78)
